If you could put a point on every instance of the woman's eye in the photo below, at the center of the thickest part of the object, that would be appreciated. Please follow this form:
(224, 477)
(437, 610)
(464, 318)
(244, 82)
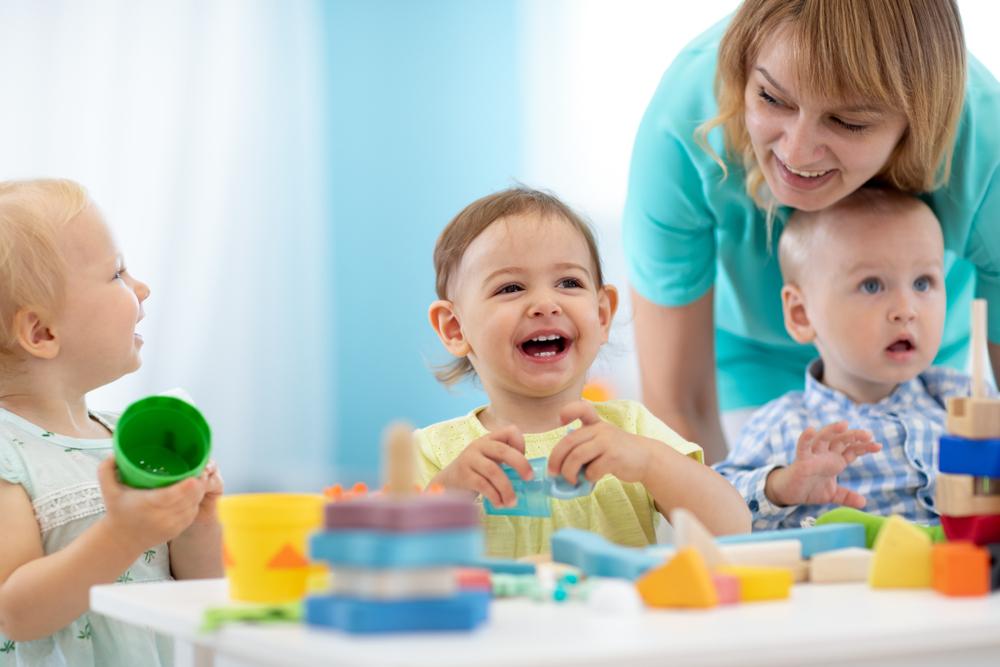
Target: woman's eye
(763, 94)
(922, 284)
(871, 286)
(850, 127)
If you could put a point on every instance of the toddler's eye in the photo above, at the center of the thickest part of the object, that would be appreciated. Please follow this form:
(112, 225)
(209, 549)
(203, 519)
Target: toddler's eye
(509, 289)
(922, 284)
(567, 283)
(871, 286)
(118, 275)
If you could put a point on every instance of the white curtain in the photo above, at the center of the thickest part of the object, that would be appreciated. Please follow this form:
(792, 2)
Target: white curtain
(198, 128)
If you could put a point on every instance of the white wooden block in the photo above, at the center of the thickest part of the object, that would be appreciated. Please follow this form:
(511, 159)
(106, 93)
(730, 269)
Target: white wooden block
(840, 565)
(394, 584)
(777, 553)
(689, 532)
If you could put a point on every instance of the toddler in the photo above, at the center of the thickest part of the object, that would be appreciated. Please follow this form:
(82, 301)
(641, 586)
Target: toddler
(68, 315)
(523, 306)
(864, 282)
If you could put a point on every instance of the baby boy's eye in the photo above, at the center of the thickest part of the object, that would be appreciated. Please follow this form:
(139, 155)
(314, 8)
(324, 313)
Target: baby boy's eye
(871, 286)
(922, 284)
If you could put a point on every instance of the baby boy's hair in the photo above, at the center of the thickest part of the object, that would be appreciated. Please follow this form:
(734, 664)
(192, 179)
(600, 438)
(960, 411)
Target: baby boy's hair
(32, 269)
(472, 221)
(795, 246)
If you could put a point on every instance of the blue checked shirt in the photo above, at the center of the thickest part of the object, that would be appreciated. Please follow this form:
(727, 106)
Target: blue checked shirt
(897, 480)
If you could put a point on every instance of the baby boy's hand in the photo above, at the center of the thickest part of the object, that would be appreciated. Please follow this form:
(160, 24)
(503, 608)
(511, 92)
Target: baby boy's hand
(214, 484)
(604, 448)
(819, 457)
(477, 468)
(144, 518)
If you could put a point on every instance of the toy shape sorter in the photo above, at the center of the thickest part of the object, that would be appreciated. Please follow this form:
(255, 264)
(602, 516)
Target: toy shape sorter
(396, 558)
(968, 484)
(533, 495)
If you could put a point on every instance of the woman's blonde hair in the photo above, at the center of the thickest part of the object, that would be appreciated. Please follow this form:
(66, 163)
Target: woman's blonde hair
(472, 221)
(906, 55)
(32, 269)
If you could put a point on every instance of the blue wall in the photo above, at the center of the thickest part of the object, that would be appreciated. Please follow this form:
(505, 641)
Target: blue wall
(426, 118)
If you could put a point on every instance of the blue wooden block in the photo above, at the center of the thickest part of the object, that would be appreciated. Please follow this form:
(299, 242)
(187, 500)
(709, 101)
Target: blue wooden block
(379, 549)
(503, 566)
(817, 539)
(598, 557)
(464, 611)
(964, 456)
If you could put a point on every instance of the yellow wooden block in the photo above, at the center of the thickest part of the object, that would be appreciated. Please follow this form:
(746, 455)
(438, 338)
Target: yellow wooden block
(901, 556)
(955, 496)
(973, 417)
(760, 583)
(684, 581)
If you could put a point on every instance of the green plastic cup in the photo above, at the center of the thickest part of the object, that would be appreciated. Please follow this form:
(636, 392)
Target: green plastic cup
(161, 440)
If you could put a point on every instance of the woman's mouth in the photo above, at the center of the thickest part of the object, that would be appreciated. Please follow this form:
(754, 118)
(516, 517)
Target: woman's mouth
(801, 179)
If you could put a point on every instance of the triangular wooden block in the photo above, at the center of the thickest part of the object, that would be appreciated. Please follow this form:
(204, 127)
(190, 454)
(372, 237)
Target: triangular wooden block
(689, 532)
(901, 556)
(682, 582)
(287, 558)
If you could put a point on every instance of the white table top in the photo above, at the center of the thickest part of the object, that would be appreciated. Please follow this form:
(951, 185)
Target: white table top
(820, 624)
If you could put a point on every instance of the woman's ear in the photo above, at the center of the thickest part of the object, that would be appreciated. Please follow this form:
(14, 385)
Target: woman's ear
(34, 333)
(607, 306)
(445, 321)
(797, 322)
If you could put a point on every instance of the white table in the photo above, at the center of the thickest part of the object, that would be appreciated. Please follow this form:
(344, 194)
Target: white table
(819, 625)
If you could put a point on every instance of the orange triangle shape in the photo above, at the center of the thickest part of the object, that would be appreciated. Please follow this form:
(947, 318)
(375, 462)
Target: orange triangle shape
(287, 557)
(227, 558)
(683, 582)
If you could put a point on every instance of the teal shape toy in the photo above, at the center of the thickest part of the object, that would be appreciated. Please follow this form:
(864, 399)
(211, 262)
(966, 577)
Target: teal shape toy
(381, 549)
(533, 495)
(816, 539)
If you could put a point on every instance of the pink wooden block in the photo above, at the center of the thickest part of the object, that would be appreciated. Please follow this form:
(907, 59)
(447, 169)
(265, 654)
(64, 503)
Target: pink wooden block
(727, 587)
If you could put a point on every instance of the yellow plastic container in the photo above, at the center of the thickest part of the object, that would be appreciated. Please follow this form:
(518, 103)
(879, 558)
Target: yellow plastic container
(264, 538)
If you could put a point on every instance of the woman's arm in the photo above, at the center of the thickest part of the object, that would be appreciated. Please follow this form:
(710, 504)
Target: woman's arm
(676, 347)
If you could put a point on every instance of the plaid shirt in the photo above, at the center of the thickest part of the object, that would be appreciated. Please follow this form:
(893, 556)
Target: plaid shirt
(897, 480)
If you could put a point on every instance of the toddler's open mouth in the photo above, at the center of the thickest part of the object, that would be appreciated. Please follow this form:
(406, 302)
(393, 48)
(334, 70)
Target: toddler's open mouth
(545, 346)
(902, 345)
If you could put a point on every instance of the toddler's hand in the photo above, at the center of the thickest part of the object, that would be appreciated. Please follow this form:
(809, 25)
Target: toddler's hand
(604, 448)
(145, 518)
(819, 457)
(214, 484)
(477, 468)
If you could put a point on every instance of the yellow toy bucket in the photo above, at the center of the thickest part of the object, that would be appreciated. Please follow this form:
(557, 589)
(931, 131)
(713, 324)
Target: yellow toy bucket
(264, 548)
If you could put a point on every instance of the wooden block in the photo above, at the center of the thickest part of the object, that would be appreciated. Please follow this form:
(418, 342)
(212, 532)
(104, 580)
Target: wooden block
(689, 532)
(975, 418)
(800, 571)
(598, 557)
(814, 540)
(843, 565)
(758, 583)
(727, 588)
(965, 456)
(403, 514)
(994, 550)
(982, 529)
(902, 556)
(956, 495)
(777, 553)
(960, 569)
(684, 581)
(399, 459)
(438, 582)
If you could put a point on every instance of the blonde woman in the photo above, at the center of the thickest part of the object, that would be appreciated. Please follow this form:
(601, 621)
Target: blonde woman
(812, 100)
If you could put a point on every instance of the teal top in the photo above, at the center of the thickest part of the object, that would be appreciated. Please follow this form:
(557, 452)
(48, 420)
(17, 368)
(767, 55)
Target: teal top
(59, 475)
(686, 228)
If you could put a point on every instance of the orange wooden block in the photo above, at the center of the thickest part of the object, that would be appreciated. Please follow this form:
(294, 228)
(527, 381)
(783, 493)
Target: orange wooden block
(961, 569)
(684, 581)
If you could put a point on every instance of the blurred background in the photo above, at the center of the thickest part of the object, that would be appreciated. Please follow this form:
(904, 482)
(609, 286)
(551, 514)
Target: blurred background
(278, 172)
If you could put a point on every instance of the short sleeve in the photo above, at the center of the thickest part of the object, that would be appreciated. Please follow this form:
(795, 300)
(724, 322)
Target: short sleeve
(11, 466)
(667, 230)
(427, 464)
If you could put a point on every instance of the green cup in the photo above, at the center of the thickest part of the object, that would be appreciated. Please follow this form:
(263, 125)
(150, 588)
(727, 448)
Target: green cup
(161, 440)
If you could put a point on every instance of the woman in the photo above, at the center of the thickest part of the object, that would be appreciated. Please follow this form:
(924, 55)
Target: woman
(812, 100)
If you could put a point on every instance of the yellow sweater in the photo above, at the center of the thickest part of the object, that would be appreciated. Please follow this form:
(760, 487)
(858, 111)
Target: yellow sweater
(622, 512)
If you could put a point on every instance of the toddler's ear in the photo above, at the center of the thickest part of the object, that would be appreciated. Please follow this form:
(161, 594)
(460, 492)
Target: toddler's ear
(33, 333)
(797, 322)
(607, 305)
(444, 319)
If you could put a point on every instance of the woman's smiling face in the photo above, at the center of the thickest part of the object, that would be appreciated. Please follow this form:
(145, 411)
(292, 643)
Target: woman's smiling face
(812, 151)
